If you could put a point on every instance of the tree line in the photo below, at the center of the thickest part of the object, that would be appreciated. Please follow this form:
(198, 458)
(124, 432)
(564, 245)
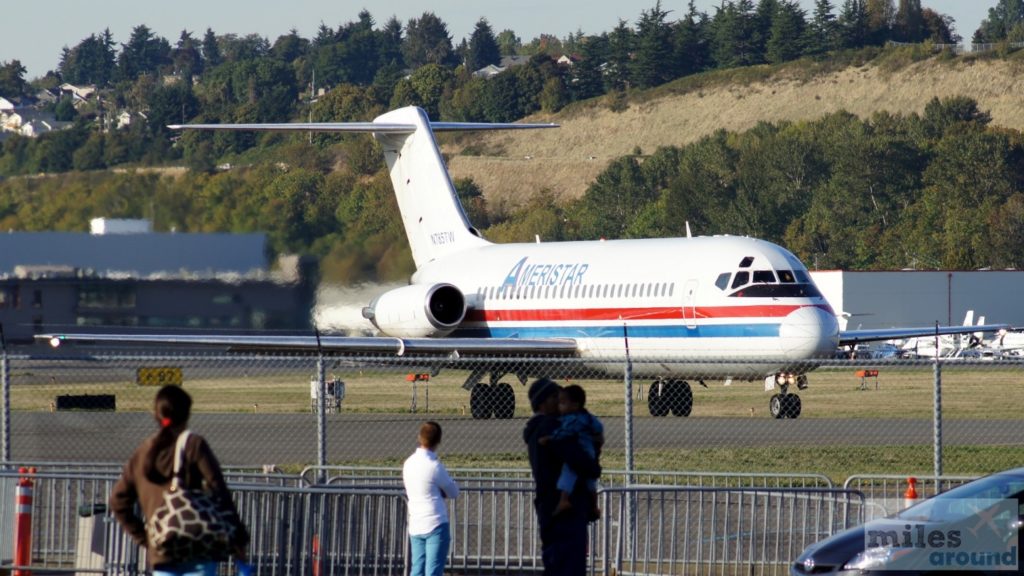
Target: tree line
(233, 78)
(941, 189)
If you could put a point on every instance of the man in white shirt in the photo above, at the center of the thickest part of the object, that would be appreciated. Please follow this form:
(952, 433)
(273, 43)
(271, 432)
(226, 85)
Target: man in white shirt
(427, 484)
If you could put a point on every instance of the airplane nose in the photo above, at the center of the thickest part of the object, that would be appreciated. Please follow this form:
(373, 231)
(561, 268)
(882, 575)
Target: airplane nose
(809, 332)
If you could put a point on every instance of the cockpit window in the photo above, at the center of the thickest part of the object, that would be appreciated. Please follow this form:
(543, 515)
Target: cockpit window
(746, 262)
(740, 279)
(777, 291)
(723, 281)
(764, 277)
(801, 276)
(786, 276)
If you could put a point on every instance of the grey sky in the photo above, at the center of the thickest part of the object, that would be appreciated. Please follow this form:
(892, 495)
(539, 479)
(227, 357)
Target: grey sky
(34, 32)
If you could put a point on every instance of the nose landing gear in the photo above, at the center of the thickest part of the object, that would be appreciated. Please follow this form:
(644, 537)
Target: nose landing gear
(784, 404)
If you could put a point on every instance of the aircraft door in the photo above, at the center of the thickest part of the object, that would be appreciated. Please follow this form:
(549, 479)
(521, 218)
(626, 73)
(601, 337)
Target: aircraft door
(690, 303)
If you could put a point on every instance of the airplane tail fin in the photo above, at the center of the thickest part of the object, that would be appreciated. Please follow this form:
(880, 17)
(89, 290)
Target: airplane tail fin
(434, 220)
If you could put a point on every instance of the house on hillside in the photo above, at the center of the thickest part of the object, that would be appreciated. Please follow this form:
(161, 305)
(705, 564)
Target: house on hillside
(46, 97)
(488, 71)
(6, 106)
(492, 70)
(80, 94)
(513, 61)
(30, 122)
(125, 119)
(567, 60)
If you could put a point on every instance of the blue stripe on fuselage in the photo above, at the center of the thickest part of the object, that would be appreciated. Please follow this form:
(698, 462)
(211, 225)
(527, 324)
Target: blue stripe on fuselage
(672, 331)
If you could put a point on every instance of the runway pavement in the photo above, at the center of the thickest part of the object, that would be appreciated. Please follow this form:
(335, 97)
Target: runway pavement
(252, 439)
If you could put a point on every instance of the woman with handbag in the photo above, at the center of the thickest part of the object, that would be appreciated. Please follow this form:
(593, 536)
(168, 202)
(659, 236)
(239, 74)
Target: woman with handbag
(174, 475)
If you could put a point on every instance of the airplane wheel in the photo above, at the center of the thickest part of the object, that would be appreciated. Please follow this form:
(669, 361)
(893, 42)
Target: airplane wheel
(504, 401)
(775, 406)
(481, 402)
(681, 397)
(658, 398)
(792, 406)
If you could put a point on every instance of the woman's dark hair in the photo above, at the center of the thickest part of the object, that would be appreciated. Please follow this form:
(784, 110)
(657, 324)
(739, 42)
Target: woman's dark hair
(171, 408)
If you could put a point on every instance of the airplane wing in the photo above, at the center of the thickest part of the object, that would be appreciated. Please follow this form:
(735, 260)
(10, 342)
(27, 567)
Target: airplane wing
(334, 344)
(851, 337)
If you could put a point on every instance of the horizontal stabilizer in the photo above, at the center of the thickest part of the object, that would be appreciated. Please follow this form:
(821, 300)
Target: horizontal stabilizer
(380, 128)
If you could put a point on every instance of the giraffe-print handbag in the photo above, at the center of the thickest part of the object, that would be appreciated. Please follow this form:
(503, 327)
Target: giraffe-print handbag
(190, 524)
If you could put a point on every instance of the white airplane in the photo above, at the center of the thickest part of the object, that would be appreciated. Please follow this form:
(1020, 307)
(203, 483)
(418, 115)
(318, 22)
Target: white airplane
(948, 346)
(684, 309)
(1008, 343)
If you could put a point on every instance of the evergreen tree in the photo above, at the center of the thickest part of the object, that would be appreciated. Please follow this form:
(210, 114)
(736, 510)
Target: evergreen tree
(823, 31)
(508, 43)
(290, 47)
(620, 51)
(690, 42)
(145, 53)
(427, 42)
(652, 62)
(390, 43)
(764, 16)
(908, 23)
(12, 79)
(784, 40)
(186, 56)
(482, 49)
(235, 48)
(587, 80)
(736, 37)
(211, 50)
(360, 50)
(1002, 19)
(853, 24)
(92, 61)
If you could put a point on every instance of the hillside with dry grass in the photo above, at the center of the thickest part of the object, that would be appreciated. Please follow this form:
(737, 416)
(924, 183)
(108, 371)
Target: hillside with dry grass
(511, 166)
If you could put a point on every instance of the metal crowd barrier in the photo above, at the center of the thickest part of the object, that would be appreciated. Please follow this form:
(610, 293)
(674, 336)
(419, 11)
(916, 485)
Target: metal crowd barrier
(335, 529)
(885, 492)
(390, 476)
(680, 530)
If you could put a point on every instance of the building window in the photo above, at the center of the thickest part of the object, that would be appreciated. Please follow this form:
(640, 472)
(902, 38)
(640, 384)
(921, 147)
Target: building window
(37, 298)
(106, 296)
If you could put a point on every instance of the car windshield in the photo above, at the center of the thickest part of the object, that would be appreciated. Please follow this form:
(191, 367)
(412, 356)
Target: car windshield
(962, 501)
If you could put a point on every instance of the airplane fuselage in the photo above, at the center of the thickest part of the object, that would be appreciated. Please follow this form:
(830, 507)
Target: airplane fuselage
(724, 300)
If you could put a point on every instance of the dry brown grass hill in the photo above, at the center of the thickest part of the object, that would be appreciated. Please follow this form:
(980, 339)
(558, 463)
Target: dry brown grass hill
(512, 166)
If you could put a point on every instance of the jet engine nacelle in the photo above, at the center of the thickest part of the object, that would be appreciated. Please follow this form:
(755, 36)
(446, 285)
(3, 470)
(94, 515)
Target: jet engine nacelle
(417, 311)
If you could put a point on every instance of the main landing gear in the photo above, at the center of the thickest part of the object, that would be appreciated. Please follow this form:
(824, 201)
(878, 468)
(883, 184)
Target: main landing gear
(490, 399)
(673, 396)
(785, 404)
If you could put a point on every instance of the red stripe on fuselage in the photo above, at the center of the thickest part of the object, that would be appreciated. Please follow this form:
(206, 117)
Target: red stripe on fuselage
(661, 313)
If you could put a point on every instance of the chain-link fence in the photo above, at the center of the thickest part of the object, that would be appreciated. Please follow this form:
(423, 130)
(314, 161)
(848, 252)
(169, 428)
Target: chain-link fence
(854, 417)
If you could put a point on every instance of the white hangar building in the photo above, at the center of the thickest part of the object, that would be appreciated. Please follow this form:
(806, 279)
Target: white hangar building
(908, 298)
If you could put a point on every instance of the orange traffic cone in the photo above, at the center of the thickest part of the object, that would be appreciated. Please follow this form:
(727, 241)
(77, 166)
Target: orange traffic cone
(910, 496)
